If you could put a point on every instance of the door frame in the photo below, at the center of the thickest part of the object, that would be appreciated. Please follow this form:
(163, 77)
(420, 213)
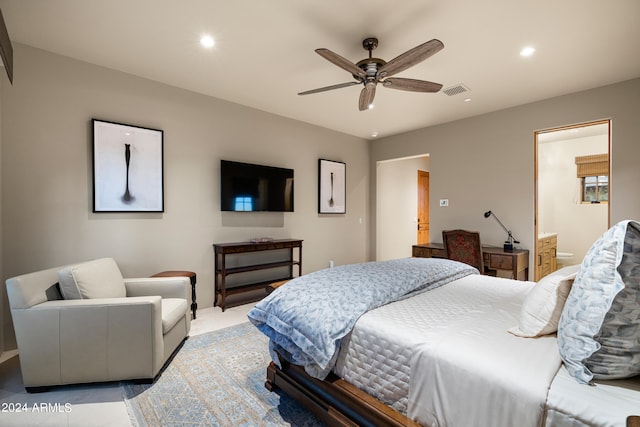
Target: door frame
(395, 228)
(535, 180)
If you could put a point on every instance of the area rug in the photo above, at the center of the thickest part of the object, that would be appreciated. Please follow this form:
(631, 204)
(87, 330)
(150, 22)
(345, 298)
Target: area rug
(215, 379)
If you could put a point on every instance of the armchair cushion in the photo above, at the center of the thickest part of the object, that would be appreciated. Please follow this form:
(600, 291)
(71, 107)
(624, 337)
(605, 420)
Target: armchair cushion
(100, 278)
(173, 309)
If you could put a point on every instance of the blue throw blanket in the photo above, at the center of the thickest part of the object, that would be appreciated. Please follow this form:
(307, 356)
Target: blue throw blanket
(307, 318)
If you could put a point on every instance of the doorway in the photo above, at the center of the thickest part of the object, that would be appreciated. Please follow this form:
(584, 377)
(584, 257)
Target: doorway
(397, 205)
(423, 207)
(572, 194)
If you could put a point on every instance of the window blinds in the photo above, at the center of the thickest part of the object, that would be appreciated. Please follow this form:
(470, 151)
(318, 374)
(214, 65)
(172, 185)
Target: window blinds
(593, 165)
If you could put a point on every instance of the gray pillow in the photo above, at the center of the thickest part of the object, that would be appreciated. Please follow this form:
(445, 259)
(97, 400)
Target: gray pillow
(599, 330)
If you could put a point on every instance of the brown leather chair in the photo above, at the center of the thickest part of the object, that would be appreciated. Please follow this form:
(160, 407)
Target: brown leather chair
(464, 246)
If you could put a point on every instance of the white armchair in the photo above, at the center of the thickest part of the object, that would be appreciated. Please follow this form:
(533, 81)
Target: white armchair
(85, 323)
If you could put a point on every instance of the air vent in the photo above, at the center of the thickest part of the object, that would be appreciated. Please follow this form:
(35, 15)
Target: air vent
(455, 90)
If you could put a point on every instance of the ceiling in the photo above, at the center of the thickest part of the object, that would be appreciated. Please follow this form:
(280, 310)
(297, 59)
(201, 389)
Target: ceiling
(264, 51)
(583, 131)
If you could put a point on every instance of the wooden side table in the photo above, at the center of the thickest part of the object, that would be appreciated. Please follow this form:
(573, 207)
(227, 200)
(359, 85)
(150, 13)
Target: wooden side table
(496, 258)
(273, 286)
(182, 273)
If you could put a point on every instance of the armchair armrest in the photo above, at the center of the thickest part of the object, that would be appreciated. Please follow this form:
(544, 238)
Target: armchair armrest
(75, 341)
(166, 287)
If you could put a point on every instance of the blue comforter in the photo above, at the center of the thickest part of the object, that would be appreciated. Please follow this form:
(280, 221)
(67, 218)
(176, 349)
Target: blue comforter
(307, 318)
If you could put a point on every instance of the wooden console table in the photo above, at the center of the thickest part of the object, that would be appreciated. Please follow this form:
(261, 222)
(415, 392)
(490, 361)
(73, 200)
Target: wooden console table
(223, 250)
(494, 257)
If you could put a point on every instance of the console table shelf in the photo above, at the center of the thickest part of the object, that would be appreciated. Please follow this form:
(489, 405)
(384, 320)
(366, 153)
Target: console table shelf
(235, 270)
(223, 250)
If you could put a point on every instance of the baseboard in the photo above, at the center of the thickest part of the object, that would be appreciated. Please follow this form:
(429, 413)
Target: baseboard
(6, 355)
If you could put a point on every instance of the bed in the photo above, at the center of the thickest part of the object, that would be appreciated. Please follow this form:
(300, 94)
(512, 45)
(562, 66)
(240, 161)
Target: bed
(450, 349)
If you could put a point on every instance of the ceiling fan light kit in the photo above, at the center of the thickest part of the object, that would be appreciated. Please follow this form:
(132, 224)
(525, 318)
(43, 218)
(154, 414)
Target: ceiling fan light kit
(371, 71)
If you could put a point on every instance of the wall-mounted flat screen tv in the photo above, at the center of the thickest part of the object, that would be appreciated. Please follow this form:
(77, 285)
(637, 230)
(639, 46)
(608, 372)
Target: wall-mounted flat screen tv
(246, 187)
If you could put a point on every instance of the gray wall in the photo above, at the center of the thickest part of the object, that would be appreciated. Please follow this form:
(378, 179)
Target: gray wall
(487, 162)
(480, 163)
(47, 217)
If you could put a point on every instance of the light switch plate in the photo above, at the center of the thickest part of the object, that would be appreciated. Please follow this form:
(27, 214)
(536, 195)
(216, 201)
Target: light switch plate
(444, 202)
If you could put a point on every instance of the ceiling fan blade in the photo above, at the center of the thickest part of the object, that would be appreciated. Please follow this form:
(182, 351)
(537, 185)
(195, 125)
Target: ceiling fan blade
(412, 85)
(366, 96)
(341, 62)
(410, 58)
(326, 88)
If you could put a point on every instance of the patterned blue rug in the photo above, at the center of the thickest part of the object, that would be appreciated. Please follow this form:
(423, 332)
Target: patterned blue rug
(216, 379)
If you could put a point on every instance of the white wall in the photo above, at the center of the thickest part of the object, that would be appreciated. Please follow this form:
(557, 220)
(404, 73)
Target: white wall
(47, 182)
(559, 209)
(397, 198)
(486, 162)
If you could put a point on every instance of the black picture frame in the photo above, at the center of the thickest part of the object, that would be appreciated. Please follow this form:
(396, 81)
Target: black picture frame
(332, 187)
(6, 49)
(128, 168)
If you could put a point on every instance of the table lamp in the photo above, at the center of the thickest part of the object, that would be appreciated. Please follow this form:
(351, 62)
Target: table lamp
(508, 245)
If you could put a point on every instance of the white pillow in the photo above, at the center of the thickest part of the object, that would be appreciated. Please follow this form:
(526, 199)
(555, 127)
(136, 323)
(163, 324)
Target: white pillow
(100, 278)
(543, 305)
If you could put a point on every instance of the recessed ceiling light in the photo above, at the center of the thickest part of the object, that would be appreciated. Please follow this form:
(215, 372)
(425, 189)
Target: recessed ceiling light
(371, 106)
(467, 100)
(527, 51)
(207, 41)
(374, 134)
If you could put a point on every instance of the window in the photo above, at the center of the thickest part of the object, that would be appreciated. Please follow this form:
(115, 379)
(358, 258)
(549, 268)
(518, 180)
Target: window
(595, 189)
(243, 203)
(593, 172)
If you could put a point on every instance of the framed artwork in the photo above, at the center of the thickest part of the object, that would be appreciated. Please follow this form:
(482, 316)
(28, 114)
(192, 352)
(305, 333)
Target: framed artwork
(127, 168)
(332, 187)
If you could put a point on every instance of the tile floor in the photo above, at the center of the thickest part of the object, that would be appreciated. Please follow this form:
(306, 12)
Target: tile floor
(85, 405)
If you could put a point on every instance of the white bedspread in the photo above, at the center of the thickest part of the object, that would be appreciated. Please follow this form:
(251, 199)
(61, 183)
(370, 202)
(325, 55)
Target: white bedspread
(506, 380)
(605, 404)
(428, 338)
(376, 355)
(477, 374)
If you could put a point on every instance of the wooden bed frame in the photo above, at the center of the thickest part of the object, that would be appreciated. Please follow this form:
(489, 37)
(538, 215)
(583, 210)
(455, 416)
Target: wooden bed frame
(334, 400)
(339, 403)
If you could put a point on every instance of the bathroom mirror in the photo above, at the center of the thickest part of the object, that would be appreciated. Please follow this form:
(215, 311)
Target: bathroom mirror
(572, 193)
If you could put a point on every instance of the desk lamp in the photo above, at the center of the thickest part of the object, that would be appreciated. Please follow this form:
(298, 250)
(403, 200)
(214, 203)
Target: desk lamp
(508, 245)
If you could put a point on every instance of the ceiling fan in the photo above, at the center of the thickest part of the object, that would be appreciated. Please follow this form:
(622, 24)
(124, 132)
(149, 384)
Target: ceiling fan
(371, 71)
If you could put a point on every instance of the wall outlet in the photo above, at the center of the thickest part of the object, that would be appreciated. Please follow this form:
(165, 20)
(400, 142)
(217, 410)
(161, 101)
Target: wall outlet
(330, 263)
(444, 202)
